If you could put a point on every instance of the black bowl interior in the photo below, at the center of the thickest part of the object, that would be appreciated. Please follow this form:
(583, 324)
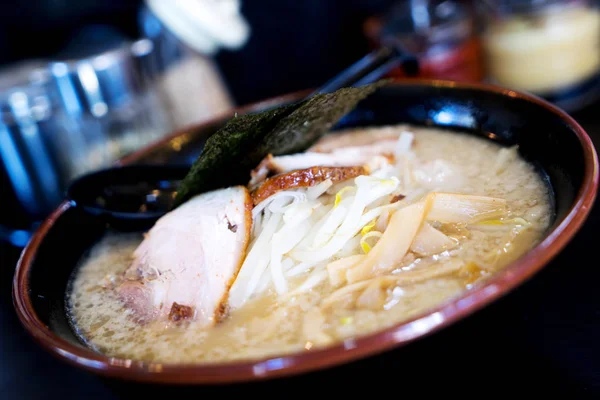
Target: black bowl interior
(543, 136)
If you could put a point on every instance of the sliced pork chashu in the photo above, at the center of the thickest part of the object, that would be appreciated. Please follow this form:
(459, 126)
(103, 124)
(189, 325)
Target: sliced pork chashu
(304, 178)
(359, 148)
(187, 262)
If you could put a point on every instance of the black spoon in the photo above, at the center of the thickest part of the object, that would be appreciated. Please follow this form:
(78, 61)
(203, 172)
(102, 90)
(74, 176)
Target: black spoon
(128, 197)
(134, 197)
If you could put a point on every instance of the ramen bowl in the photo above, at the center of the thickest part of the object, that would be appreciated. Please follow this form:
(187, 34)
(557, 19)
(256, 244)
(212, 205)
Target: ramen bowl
(546, 136)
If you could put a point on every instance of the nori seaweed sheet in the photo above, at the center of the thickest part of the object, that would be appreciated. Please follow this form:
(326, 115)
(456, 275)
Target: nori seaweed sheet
(225, 159)
(232, 152)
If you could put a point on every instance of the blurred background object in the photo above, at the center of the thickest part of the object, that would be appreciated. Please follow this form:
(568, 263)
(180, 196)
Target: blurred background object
(442, 34)
(547, 47)
(186, 36)
(65, 117)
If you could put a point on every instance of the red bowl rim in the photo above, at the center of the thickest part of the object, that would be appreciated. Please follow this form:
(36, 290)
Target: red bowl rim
(349, 350)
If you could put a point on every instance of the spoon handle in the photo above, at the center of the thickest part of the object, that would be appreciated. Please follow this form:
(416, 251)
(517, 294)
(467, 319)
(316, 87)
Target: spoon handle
(370, 68)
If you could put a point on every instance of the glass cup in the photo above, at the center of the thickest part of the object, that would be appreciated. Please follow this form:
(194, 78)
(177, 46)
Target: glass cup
(63, 119)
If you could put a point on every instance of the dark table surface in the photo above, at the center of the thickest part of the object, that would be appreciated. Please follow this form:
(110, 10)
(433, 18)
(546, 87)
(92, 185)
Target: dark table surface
(541, 338)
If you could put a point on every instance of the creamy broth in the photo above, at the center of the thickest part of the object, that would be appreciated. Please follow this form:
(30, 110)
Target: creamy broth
(266, 326)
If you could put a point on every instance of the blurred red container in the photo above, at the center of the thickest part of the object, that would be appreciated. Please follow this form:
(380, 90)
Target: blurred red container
(441, 34)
